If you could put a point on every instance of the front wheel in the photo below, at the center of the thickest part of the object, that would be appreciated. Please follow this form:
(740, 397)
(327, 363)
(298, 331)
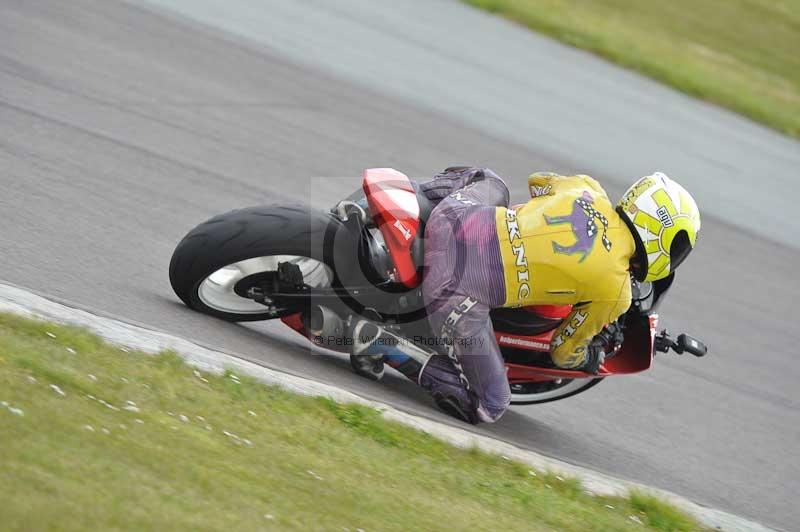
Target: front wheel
(215, 265)
(532, 393)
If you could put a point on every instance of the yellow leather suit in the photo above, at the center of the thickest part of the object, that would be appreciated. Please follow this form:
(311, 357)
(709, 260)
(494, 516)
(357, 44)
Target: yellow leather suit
(567, 245)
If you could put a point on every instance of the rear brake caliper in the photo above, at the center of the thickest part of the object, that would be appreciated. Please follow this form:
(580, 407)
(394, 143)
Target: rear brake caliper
(289, 278)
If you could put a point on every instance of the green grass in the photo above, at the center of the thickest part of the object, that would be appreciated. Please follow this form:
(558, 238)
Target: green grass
(72, 462)
(740, 54)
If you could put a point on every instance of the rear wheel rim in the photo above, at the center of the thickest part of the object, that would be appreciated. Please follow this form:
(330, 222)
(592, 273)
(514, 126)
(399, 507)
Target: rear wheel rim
(217, 290)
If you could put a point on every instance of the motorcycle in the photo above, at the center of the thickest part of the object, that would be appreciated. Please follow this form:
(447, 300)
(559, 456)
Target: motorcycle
(320, 272)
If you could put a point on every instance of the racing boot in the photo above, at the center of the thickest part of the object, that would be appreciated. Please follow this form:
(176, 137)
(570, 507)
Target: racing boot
(375, 346)
(450, 389)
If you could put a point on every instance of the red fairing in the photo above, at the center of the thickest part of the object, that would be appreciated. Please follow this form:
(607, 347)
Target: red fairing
(520, 373)
(538, 342)
(635, 355)
(395, 209)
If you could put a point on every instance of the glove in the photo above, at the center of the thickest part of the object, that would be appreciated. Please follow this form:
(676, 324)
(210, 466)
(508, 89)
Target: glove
(452, 179)
(595, 356)
(610, 339)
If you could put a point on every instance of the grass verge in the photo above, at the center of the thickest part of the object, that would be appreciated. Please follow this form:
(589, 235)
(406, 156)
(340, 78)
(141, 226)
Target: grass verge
(740, 54)
(94, 437)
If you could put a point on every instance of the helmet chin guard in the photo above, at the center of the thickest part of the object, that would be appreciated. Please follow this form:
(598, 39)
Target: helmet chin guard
(665, 222)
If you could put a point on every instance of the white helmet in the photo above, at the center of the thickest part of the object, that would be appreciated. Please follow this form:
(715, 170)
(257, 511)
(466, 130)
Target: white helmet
(664, 220)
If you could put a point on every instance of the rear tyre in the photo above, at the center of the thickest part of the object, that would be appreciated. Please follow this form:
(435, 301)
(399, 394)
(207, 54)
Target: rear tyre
(533, 393)
(215, 262)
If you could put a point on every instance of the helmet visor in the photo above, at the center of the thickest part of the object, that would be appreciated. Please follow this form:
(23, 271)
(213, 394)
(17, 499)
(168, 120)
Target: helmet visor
(680, 249)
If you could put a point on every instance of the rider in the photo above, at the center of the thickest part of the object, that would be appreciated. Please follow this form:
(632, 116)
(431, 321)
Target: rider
(568, 245)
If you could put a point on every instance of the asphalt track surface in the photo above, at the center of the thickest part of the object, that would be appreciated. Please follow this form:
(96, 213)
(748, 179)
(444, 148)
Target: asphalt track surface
(123, 127)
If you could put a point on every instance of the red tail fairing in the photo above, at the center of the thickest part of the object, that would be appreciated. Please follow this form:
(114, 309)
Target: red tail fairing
(394, 207)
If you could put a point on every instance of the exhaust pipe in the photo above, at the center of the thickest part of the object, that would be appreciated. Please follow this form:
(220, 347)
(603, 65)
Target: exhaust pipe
(326, 329)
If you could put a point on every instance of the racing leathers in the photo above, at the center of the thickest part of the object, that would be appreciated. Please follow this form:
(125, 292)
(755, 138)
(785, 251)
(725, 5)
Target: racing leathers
(566, 246)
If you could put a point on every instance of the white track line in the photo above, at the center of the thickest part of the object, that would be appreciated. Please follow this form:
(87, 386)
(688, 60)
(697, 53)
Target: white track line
(19, 301)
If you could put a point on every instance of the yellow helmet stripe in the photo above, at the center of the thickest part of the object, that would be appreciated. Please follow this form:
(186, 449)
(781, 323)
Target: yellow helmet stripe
(645, 221)
(657, 267)
(652, 246)
(662, 199)
(689, 209)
